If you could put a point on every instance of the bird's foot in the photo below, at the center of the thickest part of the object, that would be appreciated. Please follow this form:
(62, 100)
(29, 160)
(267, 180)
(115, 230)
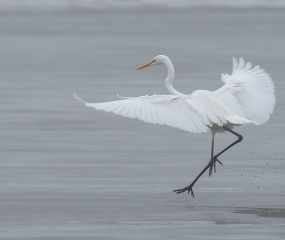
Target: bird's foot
(188, 188)
(213, 165)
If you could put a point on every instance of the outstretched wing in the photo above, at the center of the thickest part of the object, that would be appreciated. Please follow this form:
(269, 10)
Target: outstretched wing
(248, 91)
(173, 111)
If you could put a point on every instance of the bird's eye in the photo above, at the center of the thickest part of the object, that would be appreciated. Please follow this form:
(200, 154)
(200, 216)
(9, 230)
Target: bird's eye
(153, 61)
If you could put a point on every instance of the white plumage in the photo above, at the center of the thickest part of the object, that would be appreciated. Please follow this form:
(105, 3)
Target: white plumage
(248, 91)
(247, 96)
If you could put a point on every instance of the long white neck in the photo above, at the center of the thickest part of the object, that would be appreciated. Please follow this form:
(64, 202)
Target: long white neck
(170, 77)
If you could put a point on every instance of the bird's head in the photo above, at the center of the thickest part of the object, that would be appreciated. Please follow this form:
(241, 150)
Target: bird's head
(160, 59)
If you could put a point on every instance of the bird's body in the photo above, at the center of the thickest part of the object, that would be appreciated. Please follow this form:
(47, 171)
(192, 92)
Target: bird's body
(247, 96)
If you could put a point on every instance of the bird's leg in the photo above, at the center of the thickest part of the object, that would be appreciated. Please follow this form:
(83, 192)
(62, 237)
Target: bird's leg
(215, 158)
(210, 164)
(213, 161)
(189, 188)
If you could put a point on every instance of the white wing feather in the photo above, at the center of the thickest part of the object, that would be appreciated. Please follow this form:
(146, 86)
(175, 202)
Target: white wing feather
(248, 91)
(174, 111)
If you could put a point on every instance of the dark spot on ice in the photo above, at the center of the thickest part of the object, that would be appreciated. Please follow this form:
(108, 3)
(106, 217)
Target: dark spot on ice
(264, 212)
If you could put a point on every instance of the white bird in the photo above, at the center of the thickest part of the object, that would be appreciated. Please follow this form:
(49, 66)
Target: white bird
(247, 96)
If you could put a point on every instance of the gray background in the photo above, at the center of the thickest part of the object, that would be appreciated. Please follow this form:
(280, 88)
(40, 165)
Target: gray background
(68, 172)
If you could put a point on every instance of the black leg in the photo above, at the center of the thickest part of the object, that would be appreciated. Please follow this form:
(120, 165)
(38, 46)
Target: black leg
(240, 137)
(211, 163)
(213, 159)
(189, 188)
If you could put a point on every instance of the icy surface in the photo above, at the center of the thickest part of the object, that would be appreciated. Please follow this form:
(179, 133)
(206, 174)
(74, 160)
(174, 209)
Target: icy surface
(123, 4)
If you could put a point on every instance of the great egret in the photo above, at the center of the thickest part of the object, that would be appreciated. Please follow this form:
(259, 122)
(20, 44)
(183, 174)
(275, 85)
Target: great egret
(247, 96)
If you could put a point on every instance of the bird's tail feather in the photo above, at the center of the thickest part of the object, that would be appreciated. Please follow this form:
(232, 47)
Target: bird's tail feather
(240, 120)
(76, 97)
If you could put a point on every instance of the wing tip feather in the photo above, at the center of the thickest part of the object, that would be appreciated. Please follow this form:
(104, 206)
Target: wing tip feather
(78, 99)
(235, 63)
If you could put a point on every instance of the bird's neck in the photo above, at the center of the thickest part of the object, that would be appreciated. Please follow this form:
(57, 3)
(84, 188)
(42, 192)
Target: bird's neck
(170, 79)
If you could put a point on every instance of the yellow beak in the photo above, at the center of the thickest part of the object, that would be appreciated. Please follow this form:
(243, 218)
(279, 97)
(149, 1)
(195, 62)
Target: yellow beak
(145, 65)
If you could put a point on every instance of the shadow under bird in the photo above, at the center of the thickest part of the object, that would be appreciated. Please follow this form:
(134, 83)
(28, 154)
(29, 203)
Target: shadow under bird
(247, 96)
